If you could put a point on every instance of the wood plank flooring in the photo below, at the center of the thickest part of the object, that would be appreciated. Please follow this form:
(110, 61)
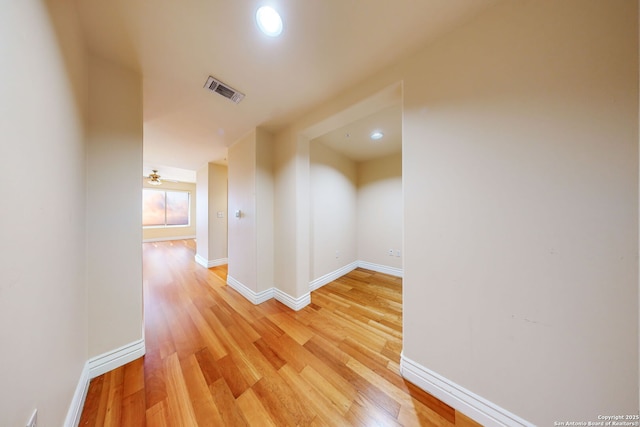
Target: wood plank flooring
(215, 359)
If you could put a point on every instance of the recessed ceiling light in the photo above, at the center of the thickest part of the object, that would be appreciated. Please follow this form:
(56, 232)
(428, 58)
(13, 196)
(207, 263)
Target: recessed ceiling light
(269, 21)
(376, 135)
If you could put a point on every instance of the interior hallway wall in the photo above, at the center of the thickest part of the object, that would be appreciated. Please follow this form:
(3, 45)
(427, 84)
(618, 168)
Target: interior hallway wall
(264, 210)
(333, 210)
(251, 195)
(380, 215)
(202, 214)
(211, 215)
(43, 294)
(521, 208)
(217, 215)
(242, 199)
(114, 206)
(292, 211)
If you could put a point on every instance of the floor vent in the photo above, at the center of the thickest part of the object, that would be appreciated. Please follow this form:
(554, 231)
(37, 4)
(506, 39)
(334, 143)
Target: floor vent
(227, 91)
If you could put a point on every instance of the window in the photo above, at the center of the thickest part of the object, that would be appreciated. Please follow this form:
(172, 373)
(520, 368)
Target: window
(164, 208)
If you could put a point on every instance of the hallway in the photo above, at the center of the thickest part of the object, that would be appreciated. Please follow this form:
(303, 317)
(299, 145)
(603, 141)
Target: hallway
(213, 358)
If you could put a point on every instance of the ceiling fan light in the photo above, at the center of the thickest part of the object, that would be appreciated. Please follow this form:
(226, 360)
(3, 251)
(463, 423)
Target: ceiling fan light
(154, 178)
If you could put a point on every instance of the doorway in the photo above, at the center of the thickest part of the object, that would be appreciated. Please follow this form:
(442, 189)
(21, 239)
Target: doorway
(355, 190)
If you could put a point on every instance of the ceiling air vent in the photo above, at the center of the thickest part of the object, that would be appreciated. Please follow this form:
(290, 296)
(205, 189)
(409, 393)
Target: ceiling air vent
(225, 90)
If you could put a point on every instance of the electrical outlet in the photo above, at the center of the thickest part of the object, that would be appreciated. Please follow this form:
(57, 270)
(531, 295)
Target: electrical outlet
(337, 254)
(390, 252)
(33, 421)
(397, 252)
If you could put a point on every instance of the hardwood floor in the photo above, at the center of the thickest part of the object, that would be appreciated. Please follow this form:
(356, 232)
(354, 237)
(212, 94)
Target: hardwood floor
(215, 359)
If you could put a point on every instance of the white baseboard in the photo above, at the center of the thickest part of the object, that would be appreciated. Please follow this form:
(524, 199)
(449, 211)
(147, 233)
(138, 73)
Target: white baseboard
(200, 260)
(255, 297)
(77, 402)
(330, 277)
(393, 271)
(475, 407)
(208, 263)
(291, 302)
(97, 366)
(260, 297)
(114, 359)
(167, 239)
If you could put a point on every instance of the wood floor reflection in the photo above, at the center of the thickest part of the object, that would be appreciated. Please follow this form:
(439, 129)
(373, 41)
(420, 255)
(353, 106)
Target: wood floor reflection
(215, 359)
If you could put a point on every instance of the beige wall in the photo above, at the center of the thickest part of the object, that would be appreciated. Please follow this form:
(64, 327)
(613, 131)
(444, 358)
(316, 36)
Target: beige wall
(161, 233)
(242, 197)
(521, 192)
(379, 206)
(43, 296)
(292, 210)
(286, 262)
(356, 210)
(520, 169)
(211, 198)
(251, 191)
(264, 210)
(333, 210)
(202, 211)
(217, 203)
(114, 206)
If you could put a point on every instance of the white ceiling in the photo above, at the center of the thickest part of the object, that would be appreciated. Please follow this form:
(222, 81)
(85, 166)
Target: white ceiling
(326, 46)
(354, 139)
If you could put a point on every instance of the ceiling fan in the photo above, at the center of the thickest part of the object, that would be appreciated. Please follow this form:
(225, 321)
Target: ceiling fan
(154, 178)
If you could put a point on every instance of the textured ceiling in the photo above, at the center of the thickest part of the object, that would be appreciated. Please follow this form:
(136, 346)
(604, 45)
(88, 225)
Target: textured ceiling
(326, 46)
